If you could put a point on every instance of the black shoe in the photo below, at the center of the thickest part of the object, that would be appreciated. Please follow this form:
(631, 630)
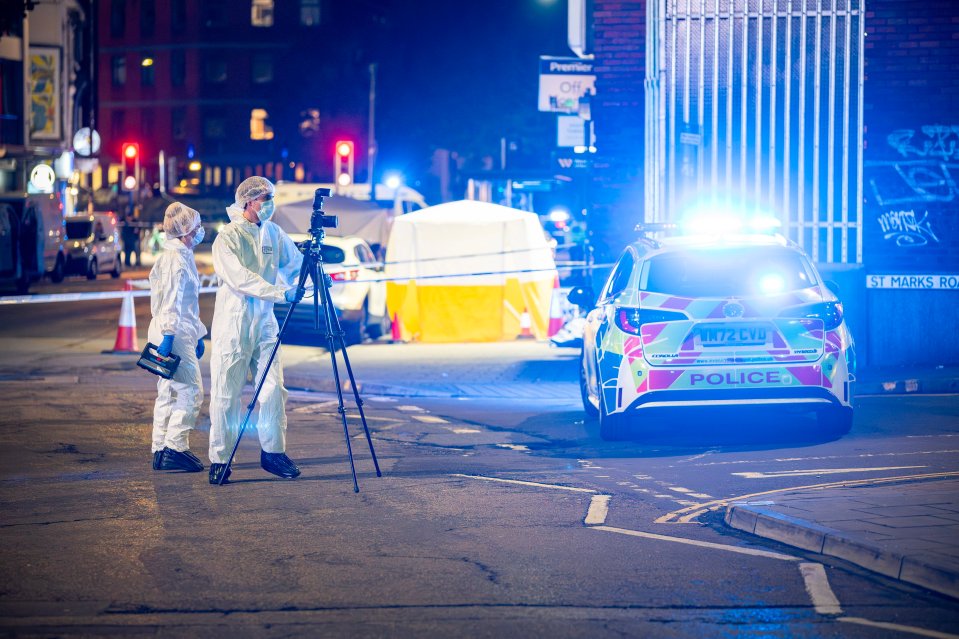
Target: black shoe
(279, 464)
(157, 459)
(175, 460)
(216, 470)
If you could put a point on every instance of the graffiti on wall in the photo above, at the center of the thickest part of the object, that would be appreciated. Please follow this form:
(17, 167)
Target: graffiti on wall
(906, 229)
(939, 142)
(914, 186)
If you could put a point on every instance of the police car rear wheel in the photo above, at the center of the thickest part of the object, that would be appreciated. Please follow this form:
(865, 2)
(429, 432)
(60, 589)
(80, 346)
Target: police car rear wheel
(591, 411)
(836, 421)
(611, 427)
(92, 270)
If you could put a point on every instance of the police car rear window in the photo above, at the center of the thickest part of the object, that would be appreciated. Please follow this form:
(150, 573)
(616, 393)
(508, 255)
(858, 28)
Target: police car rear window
(726, 272)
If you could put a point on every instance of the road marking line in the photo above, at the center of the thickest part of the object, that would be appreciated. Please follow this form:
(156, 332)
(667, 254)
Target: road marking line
(701, 544)
(687, 515)
(526, 483)
(922, 632)
(598, 509)
(816, 471)
(740, 462)
(817, 585)
(429, 419)
(518, 447)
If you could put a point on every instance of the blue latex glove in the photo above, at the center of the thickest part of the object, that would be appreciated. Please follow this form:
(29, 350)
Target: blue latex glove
(166, 346)
(294, 295)
(199, 349)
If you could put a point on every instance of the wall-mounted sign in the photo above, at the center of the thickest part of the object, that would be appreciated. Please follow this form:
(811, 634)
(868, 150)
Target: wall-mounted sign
(42, 178)
(563, 82)
(86, 142)
(929, 282)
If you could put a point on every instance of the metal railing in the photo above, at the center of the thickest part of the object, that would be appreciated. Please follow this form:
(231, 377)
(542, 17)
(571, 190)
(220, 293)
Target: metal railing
(760, 101)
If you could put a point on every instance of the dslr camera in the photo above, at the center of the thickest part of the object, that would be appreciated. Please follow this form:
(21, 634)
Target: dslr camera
(319, 219)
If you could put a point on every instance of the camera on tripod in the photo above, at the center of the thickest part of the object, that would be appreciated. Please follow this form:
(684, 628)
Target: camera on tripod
(319, 219)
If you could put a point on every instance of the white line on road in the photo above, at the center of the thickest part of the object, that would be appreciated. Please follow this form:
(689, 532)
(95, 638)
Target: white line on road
(898, 627)
(817, 585)
(701, 544)
(817, 471)
(526, 483)
(598, 509)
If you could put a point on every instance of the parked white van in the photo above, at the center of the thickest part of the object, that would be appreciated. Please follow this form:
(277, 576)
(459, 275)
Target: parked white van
(93, 245)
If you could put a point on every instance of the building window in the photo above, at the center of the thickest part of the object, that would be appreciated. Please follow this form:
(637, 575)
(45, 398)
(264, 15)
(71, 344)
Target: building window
(177, 68)
(213, 14)
(216, 70)
(117, 124)
(147, 75)
(119, 70)
(262, 68)
(178, 13)
(214, 128)
(310, 13)
(118, 17)
(178, 123)
(261, 13)
(259, 129)
(148, 17)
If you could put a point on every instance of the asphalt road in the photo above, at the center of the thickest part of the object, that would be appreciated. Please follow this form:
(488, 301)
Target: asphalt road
(494, 517)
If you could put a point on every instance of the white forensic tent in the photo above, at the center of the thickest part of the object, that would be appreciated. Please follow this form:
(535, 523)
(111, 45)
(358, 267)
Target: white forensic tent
(467, 271)
(356, 217)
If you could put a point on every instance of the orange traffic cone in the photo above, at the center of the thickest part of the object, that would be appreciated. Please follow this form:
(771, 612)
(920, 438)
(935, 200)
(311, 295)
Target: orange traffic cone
(127, 329)
(525, 325)
(396, 334)
(555, 311)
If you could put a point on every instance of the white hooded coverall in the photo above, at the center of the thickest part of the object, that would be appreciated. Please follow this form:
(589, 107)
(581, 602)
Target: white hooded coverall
(175, 305)
(248, 259)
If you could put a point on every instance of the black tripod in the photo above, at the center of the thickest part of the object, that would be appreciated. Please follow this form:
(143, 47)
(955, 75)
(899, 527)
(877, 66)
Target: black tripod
(313, 267)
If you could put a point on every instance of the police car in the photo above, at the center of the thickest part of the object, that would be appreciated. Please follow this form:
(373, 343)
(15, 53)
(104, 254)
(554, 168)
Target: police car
(713, 318)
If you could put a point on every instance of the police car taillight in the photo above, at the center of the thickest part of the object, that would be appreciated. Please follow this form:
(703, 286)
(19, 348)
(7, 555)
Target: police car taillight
(830, 313)
(345, 276)
(630, 319)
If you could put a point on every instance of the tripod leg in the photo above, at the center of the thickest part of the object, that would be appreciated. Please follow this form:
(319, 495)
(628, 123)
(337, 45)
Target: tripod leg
(266, 370)
(359, 401)
(319, 276)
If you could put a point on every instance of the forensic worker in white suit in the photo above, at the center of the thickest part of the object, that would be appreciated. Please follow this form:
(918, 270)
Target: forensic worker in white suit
(177, 330)
(258, 264)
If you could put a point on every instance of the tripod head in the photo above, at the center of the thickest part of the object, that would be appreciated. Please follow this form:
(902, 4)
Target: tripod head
(319, 220)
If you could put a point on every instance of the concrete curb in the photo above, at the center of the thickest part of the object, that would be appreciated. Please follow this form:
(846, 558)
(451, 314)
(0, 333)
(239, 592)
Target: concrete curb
(913, 569)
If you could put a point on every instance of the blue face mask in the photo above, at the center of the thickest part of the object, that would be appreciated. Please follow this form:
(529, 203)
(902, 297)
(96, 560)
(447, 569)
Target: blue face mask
(266, 211)
(199, 236)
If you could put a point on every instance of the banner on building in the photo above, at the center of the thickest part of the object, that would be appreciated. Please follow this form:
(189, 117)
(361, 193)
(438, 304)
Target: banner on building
(44, 85)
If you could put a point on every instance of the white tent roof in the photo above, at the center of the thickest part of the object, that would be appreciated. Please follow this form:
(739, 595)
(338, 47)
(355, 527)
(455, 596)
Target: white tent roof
(468, 242)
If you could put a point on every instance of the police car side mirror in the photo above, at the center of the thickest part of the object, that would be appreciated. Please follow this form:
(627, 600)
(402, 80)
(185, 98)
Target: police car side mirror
(582, 296)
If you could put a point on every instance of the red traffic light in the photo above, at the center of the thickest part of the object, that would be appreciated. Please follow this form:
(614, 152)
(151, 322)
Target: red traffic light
(344, 148)
(131, 150)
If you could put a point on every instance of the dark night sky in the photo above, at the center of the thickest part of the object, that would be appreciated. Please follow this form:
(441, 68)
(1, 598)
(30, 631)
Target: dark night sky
(461, 75)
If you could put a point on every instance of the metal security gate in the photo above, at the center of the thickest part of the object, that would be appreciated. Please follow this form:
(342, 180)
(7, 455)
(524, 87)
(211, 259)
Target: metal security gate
(759, 102)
